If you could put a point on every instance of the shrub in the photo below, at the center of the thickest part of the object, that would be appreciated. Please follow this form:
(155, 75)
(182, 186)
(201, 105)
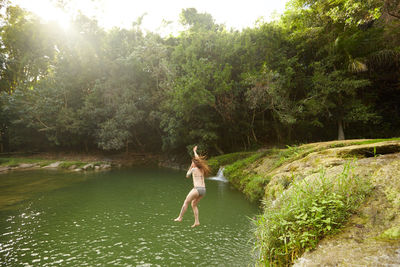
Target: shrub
(67, 164)
(223, 160)
(236, 172)
(255, 187)
(289, 154)
(13, 162)
(240, 175)
(305, 213)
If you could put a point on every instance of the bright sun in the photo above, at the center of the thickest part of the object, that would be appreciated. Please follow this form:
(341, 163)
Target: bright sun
(122, 13)
(47, 12)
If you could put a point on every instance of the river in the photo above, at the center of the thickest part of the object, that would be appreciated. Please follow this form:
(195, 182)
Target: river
(119, 218)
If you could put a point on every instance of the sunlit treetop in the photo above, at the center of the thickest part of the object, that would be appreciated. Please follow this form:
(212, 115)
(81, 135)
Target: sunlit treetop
(159, 16)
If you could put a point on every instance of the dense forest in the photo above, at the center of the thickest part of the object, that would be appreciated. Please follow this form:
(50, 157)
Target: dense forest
(324, 70)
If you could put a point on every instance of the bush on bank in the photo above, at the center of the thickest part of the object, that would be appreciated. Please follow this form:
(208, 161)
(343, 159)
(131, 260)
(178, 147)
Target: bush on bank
(216, 162)
(305, 213)
(13, 162)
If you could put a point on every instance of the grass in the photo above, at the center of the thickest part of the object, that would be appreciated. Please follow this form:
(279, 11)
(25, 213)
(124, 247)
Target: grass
(365, 142)
(216, 162)
(254, 187)
(375, 141)
(239, 167)
(67, 164)
(251, 183)
(13, 162)
(305, 213)
(298, 213)
(289, 154)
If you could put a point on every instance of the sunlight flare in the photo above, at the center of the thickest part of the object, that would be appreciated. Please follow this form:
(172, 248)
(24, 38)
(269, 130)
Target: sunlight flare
(122, 13)
(47, 11)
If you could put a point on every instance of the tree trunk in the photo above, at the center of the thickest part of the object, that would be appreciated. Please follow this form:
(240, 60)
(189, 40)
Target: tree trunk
(252, 127)
(263, 119)
(340, 129)
(1, 142)
(5, 141)
(254, 135)
(277, 131)
(289, 134)
(138, 141)
(218, 149)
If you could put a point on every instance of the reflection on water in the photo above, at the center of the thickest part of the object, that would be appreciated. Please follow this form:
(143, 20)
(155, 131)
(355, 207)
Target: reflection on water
(120, 218)
(22, 185)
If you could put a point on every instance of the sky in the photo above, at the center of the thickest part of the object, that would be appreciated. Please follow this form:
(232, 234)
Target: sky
(237, 14)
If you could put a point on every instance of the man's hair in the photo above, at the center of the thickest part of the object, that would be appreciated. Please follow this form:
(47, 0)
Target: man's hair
(202, 164)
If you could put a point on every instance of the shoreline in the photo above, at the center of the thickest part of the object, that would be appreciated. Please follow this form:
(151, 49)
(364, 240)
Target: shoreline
(84, 162)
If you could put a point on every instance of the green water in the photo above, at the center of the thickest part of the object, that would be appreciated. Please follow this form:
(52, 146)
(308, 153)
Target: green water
(119, 218)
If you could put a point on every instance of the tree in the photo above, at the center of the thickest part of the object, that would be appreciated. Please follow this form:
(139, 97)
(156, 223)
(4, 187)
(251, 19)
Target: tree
(28, 49)
(322, 66)
(196, 21)
(335, 95)
(269, 92)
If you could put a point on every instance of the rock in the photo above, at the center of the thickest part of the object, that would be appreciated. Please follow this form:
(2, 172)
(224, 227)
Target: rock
(72, 167)
(392, 233)
(3, 169)
(97, 167)
(370, 150)
(26, 165)
(107, 160)
(105, 166)
(78, 170)
(171, 165)
(88, 166)
(53, 165)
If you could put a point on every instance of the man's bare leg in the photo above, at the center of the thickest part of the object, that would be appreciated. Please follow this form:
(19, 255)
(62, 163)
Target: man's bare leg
(193, 194)
(196, 211)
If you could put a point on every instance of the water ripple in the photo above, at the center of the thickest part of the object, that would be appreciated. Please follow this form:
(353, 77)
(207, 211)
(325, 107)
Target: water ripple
(111, 221)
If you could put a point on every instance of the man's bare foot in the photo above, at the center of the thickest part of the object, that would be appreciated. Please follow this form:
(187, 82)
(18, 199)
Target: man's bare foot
(195, 224)
(178, 219)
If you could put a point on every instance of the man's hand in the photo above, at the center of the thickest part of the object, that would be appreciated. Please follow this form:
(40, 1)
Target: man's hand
(195, 149)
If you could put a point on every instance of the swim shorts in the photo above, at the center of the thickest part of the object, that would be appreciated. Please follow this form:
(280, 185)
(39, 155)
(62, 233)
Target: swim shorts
(201, 190)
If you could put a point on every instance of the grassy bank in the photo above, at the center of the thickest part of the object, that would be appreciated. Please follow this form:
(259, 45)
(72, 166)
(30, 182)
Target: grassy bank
(307, 212)
(310, 191)
(14, 163)
(78, 161)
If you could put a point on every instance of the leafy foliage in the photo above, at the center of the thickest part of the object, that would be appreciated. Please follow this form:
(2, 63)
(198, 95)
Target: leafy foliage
(323, 69)
(305, 213)
(250, 183)
(219, 161)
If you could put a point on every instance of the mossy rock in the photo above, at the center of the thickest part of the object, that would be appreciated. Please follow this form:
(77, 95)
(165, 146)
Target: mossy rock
(370, 150)
(388, 177)
(392, 233)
